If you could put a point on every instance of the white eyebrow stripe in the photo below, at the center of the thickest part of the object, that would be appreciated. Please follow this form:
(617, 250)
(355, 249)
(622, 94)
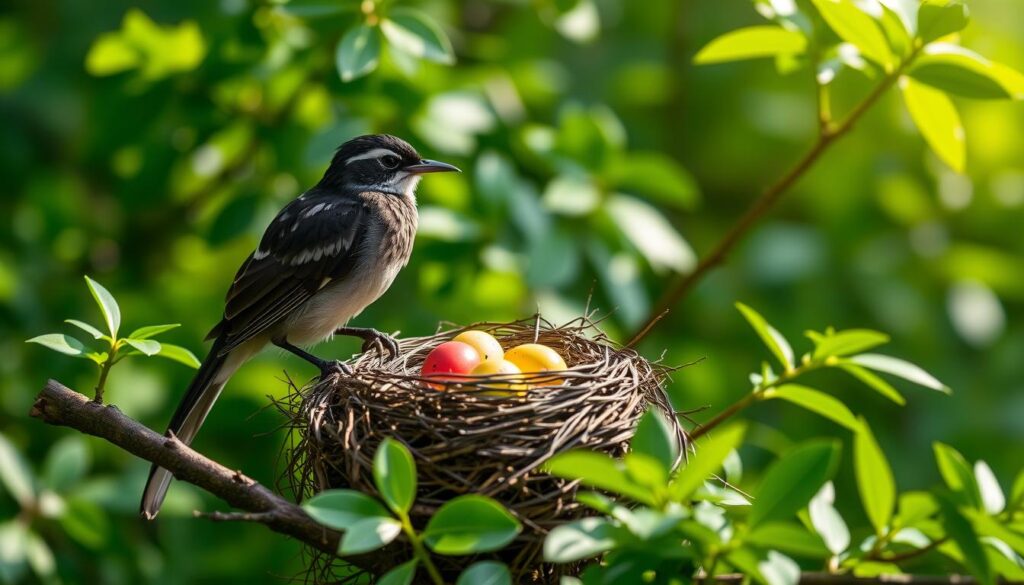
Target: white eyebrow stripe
(375, 153)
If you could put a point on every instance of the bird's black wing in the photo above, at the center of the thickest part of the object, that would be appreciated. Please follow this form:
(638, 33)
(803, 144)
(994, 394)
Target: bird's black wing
(312, 241)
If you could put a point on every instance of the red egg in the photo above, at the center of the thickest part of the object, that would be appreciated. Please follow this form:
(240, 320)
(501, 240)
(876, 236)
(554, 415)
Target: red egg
(451, 357)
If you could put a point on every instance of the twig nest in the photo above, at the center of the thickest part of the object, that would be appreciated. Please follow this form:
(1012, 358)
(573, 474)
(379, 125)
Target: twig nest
(468, 438)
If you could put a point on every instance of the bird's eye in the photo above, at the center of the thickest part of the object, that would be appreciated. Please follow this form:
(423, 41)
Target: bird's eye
(390, 161)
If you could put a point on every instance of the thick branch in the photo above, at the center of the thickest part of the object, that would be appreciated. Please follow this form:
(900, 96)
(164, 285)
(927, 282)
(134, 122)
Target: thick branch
(61, 406)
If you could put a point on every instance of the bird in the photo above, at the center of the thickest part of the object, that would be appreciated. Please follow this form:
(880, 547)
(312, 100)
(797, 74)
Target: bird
(325, 257)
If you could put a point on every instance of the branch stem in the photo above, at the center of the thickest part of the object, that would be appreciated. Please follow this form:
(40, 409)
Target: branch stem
(420, 551)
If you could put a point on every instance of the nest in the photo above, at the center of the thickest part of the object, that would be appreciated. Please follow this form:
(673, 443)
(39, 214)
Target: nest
(466, 439)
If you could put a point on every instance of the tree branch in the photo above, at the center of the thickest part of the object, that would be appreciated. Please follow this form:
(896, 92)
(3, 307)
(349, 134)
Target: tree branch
(61, 406)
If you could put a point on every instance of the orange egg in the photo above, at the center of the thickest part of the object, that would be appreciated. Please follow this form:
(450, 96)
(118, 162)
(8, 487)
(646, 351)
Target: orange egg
(484, 343)
(535, 357)
(504, 370)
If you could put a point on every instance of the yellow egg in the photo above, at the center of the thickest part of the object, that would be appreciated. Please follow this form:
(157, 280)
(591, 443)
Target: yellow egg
(484, 343)
(534, 357)
(504, 369)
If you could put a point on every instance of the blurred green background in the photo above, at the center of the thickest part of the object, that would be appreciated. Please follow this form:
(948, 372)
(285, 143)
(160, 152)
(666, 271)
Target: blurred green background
(583, 131)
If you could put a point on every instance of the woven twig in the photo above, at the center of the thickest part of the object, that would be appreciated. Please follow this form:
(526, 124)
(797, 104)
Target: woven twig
(467, 440)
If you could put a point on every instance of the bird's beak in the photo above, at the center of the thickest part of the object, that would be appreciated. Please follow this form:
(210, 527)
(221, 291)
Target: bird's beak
(431, 166)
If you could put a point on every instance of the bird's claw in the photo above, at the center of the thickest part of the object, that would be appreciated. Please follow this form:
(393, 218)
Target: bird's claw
(334, 368)
(382, 342)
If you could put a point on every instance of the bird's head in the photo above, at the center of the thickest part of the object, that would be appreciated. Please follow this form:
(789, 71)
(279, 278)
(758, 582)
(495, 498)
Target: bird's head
(381, 162)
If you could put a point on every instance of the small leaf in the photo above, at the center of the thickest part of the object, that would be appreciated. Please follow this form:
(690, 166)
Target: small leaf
(66, 463)
(915, 507)
(792, 480)
(778, 569)
(342, 509)
(788, 537)
(752, 43)
(959, 71)
(842, 343)
(897, 367)
(938, 18)
(816, 402)
(401, 575)
(358, 52)
(855, 26)
(96, 333)
(874, 479)
(826, 520)
(485, 573)
(938, 121)
(597, 470)
(654, 437)
(417, 35)
(992, 497)
(394, 472)
(59, 342)
(151, 330)
(657, 177)
(706, 460)
(148, 347)
(470, 524)
(369, 534)
(872, 381)
(107, 304)
(179, 354)
(15, 473)
(957, 474)
(963, 534)
(769, 336)
(578, 540)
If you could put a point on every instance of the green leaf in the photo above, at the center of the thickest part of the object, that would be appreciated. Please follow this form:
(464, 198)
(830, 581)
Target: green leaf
(752, 43)
(151, 330)
(342, 509)
(826, 520)
(842, 343)
(485, 573)
(957, 474)
(778, 569)
(96, 333)
(597, 470)
(15, 473)
(707, 459)
(1017, 492)
(855, 26)
(66, 463)
(938, 18)
(938, 121)
(59, 342)
(401, 575)
(417, 35)
(769, 336)
(817, 402)
(369, 534)
(657, 177)
(646, 471)
(179, 354)
(148, 347)
(992, 497)
(470, 524)
(791, 481)
(874, 479)
(787, 537)
(651, 233)
(872, 381)
(903, 369)
(107, 304)
(655, 438)
(580, 539)
(985, 524)
(394, 472)
(963, 534)
(358, 52)
(86, 523)
(915, 507)
(962, 72)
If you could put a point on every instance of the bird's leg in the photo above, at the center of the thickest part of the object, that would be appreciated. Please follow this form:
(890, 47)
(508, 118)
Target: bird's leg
(370, 338)
(327, 367)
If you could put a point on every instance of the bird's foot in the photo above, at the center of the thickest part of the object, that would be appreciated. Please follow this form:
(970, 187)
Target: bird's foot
(373, 339)
(334, 368)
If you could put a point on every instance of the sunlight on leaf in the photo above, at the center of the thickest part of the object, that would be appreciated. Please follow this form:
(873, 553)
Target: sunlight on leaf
(901, 368)
(752, 43)
(59, 342)
(358, 52)
(874, 479)
(771, 338)
(108, 306)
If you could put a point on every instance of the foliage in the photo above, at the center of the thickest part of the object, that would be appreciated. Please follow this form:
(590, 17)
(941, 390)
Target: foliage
(465, 525)
(138, 342)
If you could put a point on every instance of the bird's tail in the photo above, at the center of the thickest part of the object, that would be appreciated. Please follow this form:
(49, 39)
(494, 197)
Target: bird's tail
(192, 411)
